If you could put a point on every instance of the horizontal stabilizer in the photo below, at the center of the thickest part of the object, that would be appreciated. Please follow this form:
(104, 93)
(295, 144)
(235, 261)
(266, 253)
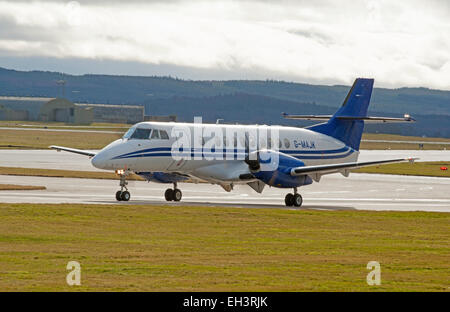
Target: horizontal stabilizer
(370, 119)
(306, 117)
(73, 150)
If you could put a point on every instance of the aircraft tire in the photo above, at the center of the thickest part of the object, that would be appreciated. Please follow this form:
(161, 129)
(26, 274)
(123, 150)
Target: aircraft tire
(125, 196)
(118, 196)
(297, 200)
(177, 195)
(169, 194)
(289, 200)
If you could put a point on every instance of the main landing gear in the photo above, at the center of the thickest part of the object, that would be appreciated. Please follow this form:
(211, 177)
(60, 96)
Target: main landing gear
(293, 199)
(173, 194)
(123, 195)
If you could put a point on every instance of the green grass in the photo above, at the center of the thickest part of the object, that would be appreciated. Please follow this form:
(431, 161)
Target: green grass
(175, 248)
(37, 139)
(401, 146)
(62, 125)
(392, 137)
(13, 187)
(431, 169)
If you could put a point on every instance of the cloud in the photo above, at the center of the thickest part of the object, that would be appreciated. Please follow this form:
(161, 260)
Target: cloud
(399, 43)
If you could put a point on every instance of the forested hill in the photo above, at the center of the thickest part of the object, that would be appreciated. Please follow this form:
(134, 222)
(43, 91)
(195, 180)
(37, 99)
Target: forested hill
(138, 90)
(254, 101)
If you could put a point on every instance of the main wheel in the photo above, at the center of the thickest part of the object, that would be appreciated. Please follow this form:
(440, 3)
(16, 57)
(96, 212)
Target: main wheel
(298, 200)
(177, 195)
(125, 196)
(289, 200)
(169, 194)
(118, 196)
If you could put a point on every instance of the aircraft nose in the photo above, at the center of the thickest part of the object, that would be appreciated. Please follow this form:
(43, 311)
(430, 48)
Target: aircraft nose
(99, 161)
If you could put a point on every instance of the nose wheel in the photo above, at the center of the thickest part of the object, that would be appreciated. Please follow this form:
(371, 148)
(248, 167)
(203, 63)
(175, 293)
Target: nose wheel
(293, 199)
(123, 194)
(173, 194)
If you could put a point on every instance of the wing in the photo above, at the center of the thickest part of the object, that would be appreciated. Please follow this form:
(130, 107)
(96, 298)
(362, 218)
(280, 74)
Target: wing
(333, 168)
(73, 150)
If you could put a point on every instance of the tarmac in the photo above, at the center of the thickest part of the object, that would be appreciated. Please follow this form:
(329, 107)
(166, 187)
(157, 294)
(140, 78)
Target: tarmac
(334, 192)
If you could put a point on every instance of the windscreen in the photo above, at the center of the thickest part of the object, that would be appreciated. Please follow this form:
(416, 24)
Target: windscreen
(128, 134)
(135, 133)
(141, 134)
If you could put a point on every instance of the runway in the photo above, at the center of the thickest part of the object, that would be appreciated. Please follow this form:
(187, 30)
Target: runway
(334, 192)
(51, 159)
(359, 191)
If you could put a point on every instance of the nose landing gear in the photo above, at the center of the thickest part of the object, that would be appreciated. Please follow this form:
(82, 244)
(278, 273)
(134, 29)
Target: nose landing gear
(293, 199)
(123, 195)
(173, 194)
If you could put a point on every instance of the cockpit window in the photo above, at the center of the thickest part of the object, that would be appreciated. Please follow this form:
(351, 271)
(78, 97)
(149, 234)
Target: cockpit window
(135, 133)
(155, 134)
(141, 134)
(163, 134)
(128, 134)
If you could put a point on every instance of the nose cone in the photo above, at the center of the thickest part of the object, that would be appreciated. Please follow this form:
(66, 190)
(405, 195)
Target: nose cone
(99, 161)
(105, 158)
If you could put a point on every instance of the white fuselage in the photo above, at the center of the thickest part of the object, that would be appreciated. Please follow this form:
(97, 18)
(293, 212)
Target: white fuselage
(154, 154)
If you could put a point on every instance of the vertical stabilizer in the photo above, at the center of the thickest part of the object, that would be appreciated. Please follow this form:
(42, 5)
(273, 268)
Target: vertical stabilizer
(355, 105)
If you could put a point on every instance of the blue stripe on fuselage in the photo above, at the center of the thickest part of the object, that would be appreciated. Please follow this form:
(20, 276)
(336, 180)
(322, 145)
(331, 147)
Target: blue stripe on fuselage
(198, 152)
(235, 154)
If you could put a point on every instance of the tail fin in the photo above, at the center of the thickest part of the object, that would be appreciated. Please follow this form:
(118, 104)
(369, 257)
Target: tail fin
(355, 104)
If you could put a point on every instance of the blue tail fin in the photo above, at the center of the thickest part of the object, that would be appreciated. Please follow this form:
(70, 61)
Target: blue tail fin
(355, 105)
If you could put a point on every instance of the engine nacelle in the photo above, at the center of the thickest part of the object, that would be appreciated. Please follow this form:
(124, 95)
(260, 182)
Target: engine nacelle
(275, 170)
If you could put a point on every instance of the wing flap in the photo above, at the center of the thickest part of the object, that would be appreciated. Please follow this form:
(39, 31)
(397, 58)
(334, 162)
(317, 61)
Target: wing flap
(73, 150)
(333, 168)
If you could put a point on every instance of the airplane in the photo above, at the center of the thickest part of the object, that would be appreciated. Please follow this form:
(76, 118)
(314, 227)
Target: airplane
(286, 157)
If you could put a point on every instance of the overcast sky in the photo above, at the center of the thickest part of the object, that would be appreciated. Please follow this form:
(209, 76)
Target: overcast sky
(399, 43)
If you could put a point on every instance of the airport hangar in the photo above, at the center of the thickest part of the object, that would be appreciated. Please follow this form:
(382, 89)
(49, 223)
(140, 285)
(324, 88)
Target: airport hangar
(63, 110)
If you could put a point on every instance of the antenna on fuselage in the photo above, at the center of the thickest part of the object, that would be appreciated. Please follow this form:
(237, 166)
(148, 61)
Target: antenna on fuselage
(218, 121)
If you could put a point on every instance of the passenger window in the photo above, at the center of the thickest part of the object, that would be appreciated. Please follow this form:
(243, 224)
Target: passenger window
(287, 144)
(155, 134)
(141, 134)
(218, 142)
(262, 143)
(163, 134)
(242, 141)
(252, 141)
